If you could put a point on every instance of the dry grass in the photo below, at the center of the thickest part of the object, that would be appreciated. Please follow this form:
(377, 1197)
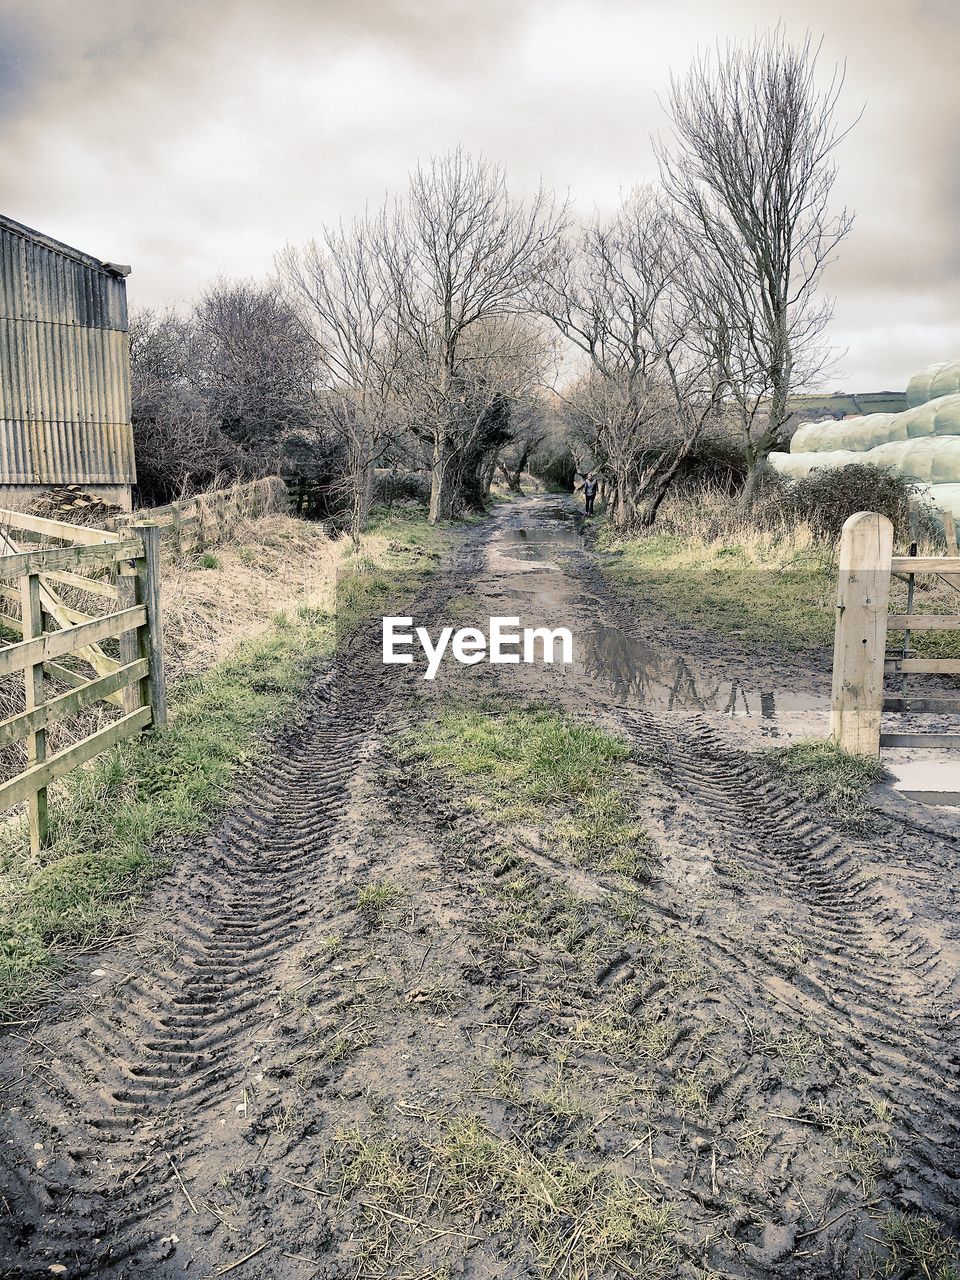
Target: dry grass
(215, 599)
(762, 576)
(767, 536)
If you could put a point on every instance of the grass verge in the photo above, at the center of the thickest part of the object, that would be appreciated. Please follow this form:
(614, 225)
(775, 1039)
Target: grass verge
(766, 591)
(823, 772)
(110, 819)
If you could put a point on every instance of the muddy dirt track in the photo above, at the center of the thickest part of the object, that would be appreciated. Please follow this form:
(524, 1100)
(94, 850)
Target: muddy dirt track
(514, 1068)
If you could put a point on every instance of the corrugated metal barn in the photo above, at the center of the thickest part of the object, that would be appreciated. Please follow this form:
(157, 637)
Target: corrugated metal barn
(64, 369)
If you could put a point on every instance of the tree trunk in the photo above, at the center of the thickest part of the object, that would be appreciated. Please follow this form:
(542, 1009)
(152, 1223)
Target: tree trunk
(656, 489)
(441, 496)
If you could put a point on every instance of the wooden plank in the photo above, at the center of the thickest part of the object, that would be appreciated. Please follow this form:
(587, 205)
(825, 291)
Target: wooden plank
(924, 666)
(863, 591)
(950, 534)
(62, 613)
(95, 586)
(31, 613)
(920, 740)
(130, 640)
(922, 704)
(57, 558)
(55, 644)
(925, 564)
(66, 675)
(68, 704)
(923, 622)
(81, 535)
(151, 636)
(25, 784)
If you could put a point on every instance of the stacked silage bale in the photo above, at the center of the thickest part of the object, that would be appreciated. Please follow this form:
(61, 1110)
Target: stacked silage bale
(936, 380)
(920, 444)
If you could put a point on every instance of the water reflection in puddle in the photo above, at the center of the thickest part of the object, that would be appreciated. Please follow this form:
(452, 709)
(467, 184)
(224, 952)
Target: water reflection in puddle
(638, 672)
(539, 543)
(931, 781)
(642, 673)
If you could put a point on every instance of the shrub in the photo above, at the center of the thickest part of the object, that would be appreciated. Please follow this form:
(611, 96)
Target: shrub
(828, 496)
(717, 460)
(402, 486)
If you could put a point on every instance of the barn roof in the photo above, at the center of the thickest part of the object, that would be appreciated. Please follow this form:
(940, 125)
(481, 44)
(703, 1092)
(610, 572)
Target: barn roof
(65, 250)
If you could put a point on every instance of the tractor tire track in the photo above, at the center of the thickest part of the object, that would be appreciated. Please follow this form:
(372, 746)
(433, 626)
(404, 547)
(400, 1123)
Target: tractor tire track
(129, 1098)
(875, 988)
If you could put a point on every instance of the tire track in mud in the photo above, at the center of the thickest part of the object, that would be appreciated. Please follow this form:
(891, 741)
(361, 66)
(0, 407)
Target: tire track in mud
(872, 984)
(285, 860)
(128, 1101)
(168, 1047)
(878, 1046)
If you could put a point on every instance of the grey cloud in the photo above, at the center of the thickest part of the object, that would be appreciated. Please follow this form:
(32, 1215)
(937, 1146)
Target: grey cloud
(193, 138)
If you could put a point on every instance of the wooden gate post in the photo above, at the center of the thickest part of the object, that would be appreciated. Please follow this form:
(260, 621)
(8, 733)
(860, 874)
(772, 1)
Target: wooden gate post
(151, 636)
(31, 614)
(866, 546)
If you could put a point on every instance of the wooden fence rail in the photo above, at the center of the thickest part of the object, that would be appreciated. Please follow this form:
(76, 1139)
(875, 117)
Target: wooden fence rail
(208, 518)
(58, 639)
(861, 658)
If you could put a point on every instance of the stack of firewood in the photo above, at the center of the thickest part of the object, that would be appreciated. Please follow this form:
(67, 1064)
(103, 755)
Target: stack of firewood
(71, 503)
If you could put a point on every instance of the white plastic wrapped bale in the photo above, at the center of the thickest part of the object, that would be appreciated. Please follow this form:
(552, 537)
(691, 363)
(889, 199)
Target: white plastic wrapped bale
(941, 379)
(935, 459)
(945, 497)
(947, 381)
(857, 434)
(940, 417)
(930, 459)
(795, 466)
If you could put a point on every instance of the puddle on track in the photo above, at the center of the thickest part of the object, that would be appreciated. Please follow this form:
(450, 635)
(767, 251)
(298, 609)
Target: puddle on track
(931, 778)
(527, 562)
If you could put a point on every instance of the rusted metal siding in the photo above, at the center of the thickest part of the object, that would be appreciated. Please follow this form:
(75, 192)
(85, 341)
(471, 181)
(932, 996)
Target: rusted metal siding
(64, 365)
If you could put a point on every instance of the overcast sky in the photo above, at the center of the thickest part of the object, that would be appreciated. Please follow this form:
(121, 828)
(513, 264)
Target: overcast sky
(194, 138)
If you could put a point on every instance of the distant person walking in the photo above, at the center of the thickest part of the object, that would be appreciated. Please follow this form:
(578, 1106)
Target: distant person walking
(589, 493)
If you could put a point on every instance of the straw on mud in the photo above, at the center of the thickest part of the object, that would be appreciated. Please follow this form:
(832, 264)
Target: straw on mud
(130, 1176)
(780, 1115)
(815, 1231)
(302, 1186)
(240, 1261)
(421, 1226)
(183, 1185)
(215, 1210)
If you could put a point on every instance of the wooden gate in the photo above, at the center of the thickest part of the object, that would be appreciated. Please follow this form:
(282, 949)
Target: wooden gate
(862, 656)
(61, 645)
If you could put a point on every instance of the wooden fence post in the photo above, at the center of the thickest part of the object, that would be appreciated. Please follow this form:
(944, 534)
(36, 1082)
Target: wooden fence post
(151, 635)
(175, 523)
(950, 534)
(125, 577)
(866, 546)
(32, 619)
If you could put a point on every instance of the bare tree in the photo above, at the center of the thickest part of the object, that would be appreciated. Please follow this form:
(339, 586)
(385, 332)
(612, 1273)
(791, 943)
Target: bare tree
(348, 303)
(180, 445)
(255, 364)
(621, 294)
(752, 172)
(528, 430)
(460, 253)
(500, 363)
